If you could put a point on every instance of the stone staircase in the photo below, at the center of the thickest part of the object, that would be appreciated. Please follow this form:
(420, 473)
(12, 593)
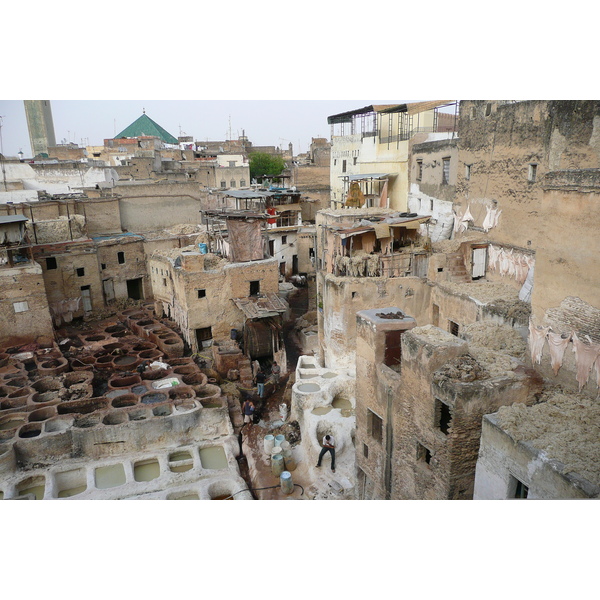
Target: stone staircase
(455, 265)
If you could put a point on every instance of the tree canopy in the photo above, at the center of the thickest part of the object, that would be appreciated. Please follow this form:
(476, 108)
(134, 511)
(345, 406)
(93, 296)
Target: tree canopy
(263, 164)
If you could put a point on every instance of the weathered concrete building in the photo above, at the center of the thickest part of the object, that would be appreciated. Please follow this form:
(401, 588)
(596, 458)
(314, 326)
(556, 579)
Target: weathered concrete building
(423, 393)
(372, 151)
(548, 451)
(365, 258)
(24, 313)
(205, 293)
(477, 284)
(433, 175)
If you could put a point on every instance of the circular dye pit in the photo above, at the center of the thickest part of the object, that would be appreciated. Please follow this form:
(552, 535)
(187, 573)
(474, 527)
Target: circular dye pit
(153, 398)
(124, 361)
(329, 375)
(31, 430)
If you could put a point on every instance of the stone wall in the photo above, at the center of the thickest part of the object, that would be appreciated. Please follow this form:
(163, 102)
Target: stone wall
(430, 462)
(345, 296)
(76, 266)
(132, 267)
(30, 318)
(502, 461)
(376, 385)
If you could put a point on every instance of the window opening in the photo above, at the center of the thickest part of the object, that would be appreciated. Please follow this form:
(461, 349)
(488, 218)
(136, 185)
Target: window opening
(121, 257)
(445, 170)
(201, 293)
(393, 349)
(80, 272)
(254, 288)
(365, 451)
(51, 263)
(423, 453)
(517, 489)
(453, 327)
(374, 426)
(443, 417)
(532, 172)
(419, 170)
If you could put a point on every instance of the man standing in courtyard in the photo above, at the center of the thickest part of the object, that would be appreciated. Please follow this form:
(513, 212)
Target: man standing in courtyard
(260, 383)
(248, 410)
(276, 373)
(328, 446)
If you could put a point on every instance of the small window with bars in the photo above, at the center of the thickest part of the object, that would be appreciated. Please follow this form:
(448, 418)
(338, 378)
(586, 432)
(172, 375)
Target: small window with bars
(445, 170)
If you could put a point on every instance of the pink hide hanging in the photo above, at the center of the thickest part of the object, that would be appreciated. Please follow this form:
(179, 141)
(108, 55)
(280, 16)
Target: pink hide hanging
(586, 355)
(537, 337)
(557, 343)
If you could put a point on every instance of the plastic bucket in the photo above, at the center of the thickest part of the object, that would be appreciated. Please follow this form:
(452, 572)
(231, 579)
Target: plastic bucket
(276, 450)
(286, 483)
(203, 248)
(279, 439)
(268, 443)
(277, 465)
(290, 463)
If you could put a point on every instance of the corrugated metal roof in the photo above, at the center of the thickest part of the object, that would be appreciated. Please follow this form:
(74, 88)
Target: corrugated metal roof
(346, 117)
(412, 108)
(12, 219)
(145, 126)
(392, 222)
(363, 176)
(259, 307)
(245, 194)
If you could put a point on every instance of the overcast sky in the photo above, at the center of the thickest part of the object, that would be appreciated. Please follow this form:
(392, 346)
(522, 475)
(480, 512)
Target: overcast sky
(265, 122)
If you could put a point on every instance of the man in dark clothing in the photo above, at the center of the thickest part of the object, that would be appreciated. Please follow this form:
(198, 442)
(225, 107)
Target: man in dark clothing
(248, 410)
(260, 383)
(328, 446)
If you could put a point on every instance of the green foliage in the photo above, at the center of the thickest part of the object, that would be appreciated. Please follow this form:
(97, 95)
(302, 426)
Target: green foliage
(262, 164)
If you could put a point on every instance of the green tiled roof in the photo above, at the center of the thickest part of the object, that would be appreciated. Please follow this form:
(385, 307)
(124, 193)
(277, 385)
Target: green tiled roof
(146, 126)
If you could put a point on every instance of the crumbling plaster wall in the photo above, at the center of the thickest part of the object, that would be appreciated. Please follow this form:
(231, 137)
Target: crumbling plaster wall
(178, 289)
(376, 384)
(306, 241)
(413, 405)
(102, 215)
(500, 148)
(429, 195)
(23, 284)
(451, 470)
(452, 307)
(153, 205)
(134, 266)
(343, 297)
(64, 282)
(567, 260)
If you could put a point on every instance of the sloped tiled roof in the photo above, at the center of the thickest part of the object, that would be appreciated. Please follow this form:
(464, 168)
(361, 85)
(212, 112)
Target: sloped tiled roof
(145, 126)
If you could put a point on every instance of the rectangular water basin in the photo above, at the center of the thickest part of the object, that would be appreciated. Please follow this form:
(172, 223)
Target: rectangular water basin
(146, 470)
(110, 476)
(213, 457)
